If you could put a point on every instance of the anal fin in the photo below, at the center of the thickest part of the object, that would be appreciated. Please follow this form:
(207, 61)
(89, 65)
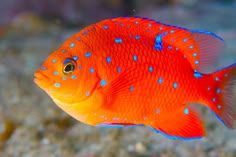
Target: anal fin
(182, 124)
(118, 125)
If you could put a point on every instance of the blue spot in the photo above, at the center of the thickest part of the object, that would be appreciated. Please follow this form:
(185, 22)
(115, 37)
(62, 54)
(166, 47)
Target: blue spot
(122, 25)
(64, 78)
(226, 75)
(91, 70)
(57, 85)
(87, 93)
(80, 67)
(217, 79)
(118, 69)
(44, 68)
(172, 31)
(135, 58)
(56, 73)
(219, 106)
(208, 88)
(136, 22)
(78, 39)
(137, 37)
(63, 51)
(157, 111)
(87, 54)
(108, 59)
(175, 85)
(196, 62)
(160, 80)
(72, 45)
(105, 27)
(158, 41)
(150, 69)
(218, 90)
(194, 54)
(131, 88)
(186, 111)
(73, 76)
(149, 25)
(118, 40)
(197, 75)
(176, 48)
(185, 40)
(54, 60)
(67, 61)
(103, 82)
(190, 46)
(75, 58)
(169, 47)
(214, 99)
(160, 28)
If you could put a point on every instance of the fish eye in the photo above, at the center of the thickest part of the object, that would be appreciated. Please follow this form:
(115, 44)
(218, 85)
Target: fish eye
(69, 66)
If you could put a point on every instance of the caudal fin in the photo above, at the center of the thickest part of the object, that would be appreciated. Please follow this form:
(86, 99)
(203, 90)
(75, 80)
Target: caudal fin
(223, 100)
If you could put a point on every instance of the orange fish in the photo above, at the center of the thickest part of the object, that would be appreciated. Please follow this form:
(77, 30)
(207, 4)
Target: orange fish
(131, 71)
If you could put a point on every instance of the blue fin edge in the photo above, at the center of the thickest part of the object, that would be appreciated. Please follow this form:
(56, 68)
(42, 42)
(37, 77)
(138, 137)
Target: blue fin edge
(113, 126)
(207, 32)
(173, 137)
(193, 31)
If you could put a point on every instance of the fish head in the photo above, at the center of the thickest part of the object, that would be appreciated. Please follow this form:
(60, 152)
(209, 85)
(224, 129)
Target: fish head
(66, 76)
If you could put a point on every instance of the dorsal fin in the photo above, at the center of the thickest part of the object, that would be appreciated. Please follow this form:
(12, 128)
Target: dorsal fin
(210, 46)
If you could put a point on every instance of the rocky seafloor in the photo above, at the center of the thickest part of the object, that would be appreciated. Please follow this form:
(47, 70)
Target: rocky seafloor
(31, 125)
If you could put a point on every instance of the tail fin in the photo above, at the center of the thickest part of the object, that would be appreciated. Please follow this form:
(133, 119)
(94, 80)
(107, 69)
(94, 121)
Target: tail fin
(223, 100)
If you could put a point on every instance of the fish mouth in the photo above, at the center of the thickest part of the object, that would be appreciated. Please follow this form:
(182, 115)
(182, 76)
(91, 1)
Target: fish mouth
(42, 80)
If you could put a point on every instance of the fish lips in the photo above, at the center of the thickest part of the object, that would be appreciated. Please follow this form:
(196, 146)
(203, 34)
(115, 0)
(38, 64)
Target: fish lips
(42, 80)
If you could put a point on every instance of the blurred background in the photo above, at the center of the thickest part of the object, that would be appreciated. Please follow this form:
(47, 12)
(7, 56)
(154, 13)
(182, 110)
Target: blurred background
(31, 125)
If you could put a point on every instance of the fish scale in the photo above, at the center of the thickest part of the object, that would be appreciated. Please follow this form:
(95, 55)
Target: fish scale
(132, 71)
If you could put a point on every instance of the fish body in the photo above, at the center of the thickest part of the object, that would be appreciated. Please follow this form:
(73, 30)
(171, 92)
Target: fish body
(131, 71)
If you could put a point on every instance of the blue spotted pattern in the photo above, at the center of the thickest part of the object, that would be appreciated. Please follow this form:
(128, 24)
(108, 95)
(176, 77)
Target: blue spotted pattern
(108, 59)
(56, 73)
(160, 80)
(88, 54)
(197, 75)
(44, 68)
(137, 37)
(87, 93)
(218, 90)
(118, 40)
(175, 85)
(73, 76)
(135, 58)
(64, 78)
(150, 69)
(131, 88)
(158, 41)
(105, 27)
(54, 60)
(91, 70)
(118, 69)
(185, 40)
(103, 82)
(75, 58)
(186, 111)
(72, 45)
(57, 85)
